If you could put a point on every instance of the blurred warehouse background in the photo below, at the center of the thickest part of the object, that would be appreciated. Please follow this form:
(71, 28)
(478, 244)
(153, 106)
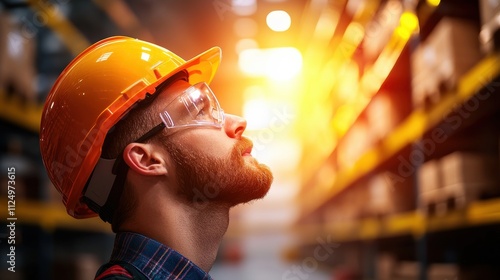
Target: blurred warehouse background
(379, 118)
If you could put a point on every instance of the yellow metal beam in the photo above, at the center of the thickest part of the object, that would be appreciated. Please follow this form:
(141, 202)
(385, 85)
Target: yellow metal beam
(411, 223)
(51, 216)
(124, 18)
(13, 109)
(54, 19)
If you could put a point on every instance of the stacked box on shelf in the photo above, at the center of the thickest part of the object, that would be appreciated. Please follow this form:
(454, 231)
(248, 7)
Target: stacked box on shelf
(346, 207)
(429, 182)
(490, 14)
(437, 63)
(17, 58)
(388, 194)
(463, 169)
(380, 195)
(456, 180)
(469, 176)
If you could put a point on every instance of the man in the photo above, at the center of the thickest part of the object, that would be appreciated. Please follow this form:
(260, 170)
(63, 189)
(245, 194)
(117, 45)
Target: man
(133, 133)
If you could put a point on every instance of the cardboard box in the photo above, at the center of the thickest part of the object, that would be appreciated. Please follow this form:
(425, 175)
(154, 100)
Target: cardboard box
(386, 196)
(347, 207)
(464, 177)
(17, 59)
(470, 168)
(470, 175)
(428, 176)
(442, 59)
(444, 200)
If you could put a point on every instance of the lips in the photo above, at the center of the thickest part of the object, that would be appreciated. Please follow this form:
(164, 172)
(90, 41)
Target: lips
(247, 151)
(245, 145)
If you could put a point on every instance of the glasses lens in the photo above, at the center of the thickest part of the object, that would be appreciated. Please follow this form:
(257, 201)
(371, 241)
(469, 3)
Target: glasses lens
(196, 106)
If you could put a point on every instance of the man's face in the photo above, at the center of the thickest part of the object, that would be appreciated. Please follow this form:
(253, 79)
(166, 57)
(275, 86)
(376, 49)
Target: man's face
(215, 165)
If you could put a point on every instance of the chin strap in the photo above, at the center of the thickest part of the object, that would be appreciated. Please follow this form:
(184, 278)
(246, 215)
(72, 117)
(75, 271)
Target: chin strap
(105, 187)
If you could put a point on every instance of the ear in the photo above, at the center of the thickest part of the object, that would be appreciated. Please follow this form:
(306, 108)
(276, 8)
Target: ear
(143, 159)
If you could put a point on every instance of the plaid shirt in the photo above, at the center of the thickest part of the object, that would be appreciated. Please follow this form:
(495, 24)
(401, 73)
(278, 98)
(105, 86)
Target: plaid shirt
(153, 259)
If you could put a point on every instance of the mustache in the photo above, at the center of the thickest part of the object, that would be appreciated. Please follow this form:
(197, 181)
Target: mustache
(243, 145)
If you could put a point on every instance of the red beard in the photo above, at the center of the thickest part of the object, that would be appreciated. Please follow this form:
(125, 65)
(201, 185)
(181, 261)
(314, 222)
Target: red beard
(232, 180)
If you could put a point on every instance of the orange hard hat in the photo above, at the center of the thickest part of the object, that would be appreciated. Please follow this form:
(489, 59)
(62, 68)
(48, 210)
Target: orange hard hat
(92, 94)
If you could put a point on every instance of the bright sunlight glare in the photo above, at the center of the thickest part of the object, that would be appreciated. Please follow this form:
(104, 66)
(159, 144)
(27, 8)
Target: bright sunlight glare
(278, 21)
(275, 63)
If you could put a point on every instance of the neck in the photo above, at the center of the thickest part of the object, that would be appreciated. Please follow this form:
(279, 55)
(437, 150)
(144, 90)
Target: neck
(203, 233)
(195, 231)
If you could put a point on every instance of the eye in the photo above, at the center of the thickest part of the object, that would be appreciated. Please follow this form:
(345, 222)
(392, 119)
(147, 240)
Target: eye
(201, 113)
(203, 106)
(204, 112)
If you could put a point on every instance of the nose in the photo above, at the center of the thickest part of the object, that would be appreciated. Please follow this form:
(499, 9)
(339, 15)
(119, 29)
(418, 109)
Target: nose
(234, 126)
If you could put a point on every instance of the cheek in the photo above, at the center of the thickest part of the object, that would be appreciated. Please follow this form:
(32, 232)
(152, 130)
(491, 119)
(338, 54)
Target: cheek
(215, 149)
(209, 142)
(222, 147)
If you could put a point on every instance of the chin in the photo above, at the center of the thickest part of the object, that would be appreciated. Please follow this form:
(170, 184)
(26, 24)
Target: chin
(254, 184)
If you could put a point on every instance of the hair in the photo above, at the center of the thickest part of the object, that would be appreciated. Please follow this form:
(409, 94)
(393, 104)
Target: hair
(142, 117)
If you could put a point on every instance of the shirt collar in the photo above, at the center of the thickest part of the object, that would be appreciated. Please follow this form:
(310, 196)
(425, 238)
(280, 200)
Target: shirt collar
(154, 259)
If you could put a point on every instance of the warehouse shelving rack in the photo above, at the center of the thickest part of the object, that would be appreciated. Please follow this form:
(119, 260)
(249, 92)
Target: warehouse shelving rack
(416, 228)
(482, 80)
(409, 131)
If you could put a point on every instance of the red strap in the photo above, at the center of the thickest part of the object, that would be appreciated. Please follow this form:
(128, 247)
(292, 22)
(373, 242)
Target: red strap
(115, 270)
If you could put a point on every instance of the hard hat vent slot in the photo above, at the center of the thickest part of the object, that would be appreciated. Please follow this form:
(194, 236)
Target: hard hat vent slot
(134, 88)
(157, 73)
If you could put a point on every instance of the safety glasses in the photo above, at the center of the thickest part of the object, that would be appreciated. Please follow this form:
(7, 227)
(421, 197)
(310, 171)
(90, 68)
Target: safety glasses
(197, 106)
